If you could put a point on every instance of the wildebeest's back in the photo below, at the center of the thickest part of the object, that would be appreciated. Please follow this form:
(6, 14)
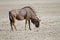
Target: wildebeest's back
(23, 12)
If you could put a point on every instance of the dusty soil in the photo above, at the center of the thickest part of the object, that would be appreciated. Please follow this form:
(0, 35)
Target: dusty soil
(48, 11)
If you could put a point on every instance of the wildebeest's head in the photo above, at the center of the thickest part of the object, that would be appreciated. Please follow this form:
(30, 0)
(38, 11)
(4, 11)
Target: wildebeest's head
(36, 22)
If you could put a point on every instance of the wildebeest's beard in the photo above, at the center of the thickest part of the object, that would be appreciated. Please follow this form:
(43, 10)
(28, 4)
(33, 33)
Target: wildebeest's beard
(35, 22)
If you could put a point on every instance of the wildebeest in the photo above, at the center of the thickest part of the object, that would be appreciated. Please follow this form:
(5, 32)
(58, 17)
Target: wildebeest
(26, 13)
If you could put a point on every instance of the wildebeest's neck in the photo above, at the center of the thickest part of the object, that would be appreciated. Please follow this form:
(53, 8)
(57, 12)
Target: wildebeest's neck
(33, 16)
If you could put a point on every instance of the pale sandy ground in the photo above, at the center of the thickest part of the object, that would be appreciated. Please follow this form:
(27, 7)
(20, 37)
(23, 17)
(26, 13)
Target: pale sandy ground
(47, 10)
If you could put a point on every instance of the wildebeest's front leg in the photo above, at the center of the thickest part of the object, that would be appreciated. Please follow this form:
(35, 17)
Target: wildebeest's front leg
(25, 24)
(29, 24)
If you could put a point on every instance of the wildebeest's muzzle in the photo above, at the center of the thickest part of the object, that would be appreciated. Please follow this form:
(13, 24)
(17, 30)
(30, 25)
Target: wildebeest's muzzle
(37, 24)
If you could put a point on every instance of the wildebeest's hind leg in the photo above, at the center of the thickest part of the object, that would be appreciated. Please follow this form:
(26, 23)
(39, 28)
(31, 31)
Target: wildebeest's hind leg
(11, 23)
(14, 23)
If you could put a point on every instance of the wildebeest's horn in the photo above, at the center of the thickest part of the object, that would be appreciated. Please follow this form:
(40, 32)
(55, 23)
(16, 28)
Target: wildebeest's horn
(39, 19)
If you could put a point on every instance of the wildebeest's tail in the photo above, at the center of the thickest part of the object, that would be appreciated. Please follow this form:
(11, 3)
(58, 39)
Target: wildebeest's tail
(10, 16)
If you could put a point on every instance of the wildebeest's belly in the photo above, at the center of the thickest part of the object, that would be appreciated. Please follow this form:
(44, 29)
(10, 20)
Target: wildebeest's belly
(19, 17)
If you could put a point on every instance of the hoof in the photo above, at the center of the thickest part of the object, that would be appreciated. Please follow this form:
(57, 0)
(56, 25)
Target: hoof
(25, 29)
(29, 29)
